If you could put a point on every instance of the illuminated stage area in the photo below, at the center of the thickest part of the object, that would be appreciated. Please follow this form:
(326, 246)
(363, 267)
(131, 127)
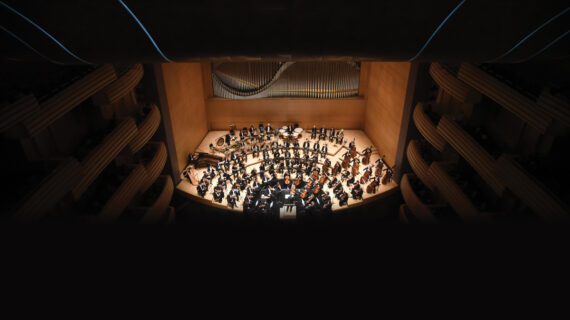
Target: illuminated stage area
(295, 179)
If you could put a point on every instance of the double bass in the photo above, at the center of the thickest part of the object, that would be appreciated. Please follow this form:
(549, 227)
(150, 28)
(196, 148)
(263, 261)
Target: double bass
(387, 177)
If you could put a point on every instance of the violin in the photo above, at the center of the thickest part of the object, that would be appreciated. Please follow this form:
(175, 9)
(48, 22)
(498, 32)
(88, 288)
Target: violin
(372, 186)
(323, 179)
(287, 181)
(298, 181)
(355, 169)
(303, 194)
(365, 177)
(317, 189)
(310, 182)
(345, 161)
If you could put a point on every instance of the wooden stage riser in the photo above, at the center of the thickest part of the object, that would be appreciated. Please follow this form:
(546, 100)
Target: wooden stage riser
(335, 154)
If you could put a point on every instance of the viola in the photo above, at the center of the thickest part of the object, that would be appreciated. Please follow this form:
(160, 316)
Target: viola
(371, 187)
(287, 181)
(365, 177)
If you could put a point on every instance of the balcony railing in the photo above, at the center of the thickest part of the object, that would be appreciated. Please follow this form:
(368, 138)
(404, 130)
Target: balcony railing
(418, 164)
(67, 99)
(104, 153)
(120, 87)
(154, 167)
(445, 185)
(17, 112)
(146, 129)
(156, 212)
(427, 128)
(50, 191)
(520, 105)
(420, 210)
(531, 192)
(455, 87)
(123, 195)
(471, 151)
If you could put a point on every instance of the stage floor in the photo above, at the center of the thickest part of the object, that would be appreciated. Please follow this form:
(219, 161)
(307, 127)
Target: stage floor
(334, 154)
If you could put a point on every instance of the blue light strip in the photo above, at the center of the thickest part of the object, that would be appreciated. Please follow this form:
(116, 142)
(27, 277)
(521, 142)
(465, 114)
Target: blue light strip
(28, 45)
(437, 30)
(546, 47)
(42, 30)
(530, 35)
(145, 31)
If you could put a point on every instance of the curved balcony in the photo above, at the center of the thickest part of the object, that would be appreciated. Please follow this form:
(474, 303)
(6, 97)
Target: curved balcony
(427, 128)
(512, 100)
(123, 196)
(154, 167)
(453, 194)
(18, 111)
(146, 129)
(67, 99)
(50, 191)
(471, 151)
(420, 210)
(120, 87)
(556, 106)
(418, 164)
(450, 84)
(158, 210)
(104, 153)
(532, 193)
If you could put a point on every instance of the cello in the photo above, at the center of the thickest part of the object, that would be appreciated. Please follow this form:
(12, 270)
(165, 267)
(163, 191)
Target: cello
(345, 160)
(365, 176)
(323, 179)
(372, 186)
(379, 167)
(367, 154)
(326, 165)
(355, 168)
(336, 169)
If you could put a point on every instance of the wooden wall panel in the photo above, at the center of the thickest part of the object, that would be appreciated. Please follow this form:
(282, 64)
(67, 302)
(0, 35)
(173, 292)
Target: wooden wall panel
(341, 113)
(386, 95)
(186, 103)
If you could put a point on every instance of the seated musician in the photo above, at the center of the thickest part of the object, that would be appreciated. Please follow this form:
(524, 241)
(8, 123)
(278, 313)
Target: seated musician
(218, 194)
(337, 188)
(296, 145)
(287, 154)
(316, 147)
(314, 132)
(231, 200)
(266, 157)
(337, 167)
(268, 129)
(345, 175)
(266, 193)
(340, 136)
(202, 188)
(332, 182)
(376, 181)
(265, 180)
(323, 133)
(350, 181)
(227, 164)
(324, 150)
(252, 130)
(255, 185)
(357, 191)
(255, 152)
(243, 156)
(343, 199)
(306, 145)
(326, 200)
(332, 135)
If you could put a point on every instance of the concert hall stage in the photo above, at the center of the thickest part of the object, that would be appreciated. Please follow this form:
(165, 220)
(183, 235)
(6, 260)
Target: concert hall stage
(335, 154)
